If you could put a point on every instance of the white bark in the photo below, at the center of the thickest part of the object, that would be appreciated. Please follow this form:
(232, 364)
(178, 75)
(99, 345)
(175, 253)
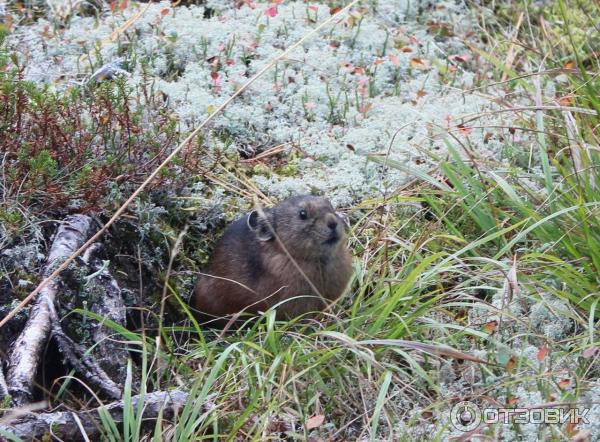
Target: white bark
(3, 386)
(27, 349)
(65, 425)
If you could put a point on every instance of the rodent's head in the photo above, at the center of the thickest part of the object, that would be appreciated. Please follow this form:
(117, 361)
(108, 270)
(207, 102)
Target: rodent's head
(307, 226)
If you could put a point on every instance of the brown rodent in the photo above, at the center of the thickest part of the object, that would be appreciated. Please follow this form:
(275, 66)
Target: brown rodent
(250, 271)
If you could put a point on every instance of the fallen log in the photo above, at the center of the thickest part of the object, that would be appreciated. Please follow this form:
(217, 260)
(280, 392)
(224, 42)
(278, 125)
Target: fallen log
(27, 349)
(3, 386)
(87, 425)
(76, 356)
(110, 354)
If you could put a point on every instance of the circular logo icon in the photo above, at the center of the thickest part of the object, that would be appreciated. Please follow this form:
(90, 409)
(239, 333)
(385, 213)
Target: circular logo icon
(465, 416)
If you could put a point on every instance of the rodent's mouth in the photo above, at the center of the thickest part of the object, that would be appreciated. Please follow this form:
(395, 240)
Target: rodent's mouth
(333, 239)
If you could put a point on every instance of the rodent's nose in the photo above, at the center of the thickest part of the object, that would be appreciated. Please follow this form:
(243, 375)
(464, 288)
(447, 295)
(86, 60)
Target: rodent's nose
(332, 223)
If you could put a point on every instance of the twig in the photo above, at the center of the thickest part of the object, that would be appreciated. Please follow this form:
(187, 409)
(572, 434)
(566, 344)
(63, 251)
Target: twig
(167, 160)
(68, 425)
(468, 118)
(83, 363)
(27, 349)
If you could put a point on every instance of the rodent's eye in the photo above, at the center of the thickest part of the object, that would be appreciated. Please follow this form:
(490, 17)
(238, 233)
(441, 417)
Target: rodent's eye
(302, 214)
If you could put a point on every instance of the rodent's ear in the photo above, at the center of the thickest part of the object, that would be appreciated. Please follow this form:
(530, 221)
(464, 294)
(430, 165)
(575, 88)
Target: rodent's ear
(260, 225)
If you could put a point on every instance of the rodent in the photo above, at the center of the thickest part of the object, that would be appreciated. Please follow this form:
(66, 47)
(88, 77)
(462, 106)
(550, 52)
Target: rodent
(250, 271)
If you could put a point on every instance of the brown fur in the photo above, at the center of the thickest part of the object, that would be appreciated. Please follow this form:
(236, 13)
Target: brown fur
(250, 270)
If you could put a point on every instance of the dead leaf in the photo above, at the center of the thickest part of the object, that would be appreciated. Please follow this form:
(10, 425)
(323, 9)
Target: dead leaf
(426, 414)
(542, 353)
(564, 383)
(315, 421)
(416, 62)
(510, 365)
(490, 327)
(513, 400)
(464, 130)
(567, 100)
(460, 58)
(570, 428)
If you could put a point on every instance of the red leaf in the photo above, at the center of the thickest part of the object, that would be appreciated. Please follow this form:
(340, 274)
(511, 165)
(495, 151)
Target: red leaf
(510, 365)
(271, 11)
(491, 326)
(460, 58)
(542, 353)
(315, 421)
(464, 130)
(564, 383)
(416, 62)
(567, 100)
(165, 11)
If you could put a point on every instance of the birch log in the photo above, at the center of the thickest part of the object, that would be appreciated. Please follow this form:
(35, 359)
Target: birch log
(27, 349)
(3, 386)
(72, 426)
